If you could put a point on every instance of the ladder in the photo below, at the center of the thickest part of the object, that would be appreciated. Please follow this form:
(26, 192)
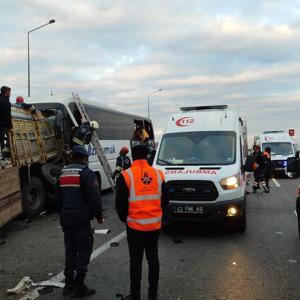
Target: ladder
(95, 141)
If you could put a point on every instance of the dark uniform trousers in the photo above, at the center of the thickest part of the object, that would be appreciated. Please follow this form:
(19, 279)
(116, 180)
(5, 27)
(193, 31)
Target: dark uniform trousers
(138, 241)
(2, 137)
(79, 242)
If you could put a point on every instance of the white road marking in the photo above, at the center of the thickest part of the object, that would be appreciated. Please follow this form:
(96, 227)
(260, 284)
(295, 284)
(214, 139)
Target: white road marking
(276, 182)
(59, 277)
(296, 213)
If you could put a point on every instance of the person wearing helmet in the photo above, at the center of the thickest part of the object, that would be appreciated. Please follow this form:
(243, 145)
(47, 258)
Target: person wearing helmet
(20, 103)
(123, 162)
(79, 202)
(84, 133)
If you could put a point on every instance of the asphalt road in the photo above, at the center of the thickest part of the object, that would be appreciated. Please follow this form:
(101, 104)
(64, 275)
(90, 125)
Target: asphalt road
(210, 262)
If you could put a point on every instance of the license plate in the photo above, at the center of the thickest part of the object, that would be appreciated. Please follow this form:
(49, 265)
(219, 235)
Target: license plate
(280, 169)
(182, 209)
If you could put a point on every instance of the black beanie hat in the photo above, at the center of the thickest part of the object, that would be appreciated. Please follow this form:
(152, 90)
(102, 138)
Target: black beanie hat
(139, 152)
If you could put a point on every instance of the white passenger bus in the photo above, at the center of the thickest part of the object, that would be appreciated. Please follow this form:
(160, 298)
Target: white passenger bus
(115, 128)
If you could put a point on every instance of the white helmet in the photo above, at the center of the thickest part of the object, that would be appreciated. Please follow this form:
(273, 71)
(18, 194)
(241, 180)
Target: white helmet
(94, 124)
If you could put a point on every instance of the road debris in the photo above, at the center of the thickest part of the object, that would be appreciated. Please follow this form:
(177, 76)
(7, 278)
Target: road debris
(177, 239)
(24, 284)
(114, 244)
(102, 231)
(292, 261)
(46, 290)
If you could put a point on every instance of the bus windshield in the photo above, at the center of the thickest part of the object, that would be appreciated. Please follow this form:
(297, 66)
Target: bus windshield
(284, 149)
(198, 148)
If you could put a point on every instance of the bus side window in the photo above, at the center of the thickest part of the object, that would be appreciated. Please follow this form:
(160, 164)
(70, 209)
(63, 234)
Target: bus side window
(75, 113)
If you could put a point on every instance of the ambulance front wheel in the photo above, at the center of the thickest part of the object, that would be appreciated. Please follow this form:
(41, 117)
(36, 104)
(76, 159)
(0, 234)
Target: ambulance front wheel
(33, 197)
(241, 224)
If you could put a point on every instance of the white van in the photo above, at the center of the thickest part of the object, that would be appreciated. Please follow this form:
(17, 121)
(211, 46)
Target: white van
(282, 147)
(202, 154)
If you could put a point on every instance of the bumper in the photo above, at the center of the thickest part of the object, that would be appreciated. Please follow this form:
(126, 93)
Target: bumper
(210, 212)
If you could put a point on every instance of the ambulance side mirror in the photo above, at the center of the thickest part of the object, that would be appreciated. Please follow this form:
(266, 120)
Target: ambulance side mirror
(250, 160)
(293, 164)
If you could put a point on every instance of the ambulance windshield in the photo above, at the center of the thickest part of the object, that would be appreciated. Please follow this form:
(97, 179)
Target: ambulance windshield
(284, 149)
(198, 148)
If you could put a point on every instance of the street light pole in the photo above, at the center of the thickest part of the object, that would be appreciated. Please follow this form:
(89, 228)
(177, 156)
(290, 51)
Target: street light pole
(149, 101)
(28, 54)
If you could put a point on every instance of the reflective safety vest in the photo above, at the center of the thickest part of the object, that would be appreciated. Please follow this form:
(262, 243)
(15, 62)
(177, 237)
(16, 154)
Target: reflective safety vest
(144, 184)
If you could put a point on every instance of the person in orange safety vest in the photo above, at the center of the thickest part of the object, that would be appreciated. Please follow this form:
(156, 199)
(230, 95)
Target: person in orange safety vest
(140, 203)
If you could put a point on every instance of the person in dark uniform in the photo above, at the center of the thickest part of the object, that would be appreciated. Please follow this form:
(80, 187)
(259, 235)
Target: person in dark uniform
(257, 155)
(83, 133)
(261, 162)
(140, 202)
(79, 201)
(268, 171)
(123, 162)
(5, 120)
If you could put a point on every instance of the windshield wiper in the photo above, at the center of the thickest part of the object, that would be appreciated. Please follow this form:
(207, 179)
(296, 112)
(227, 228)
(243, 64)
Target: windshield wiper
(164, 161)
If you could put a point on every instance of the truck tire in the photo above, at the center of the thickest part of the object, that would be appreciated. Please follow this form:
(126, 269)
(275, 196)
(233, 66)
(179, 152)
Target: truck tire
(241, 224)
(33, 198)
(48, 170)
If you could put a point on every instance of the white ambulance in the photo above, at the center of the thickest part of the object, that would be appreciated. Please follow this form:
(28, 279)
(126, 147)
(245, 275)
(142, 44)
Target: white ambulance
(282, 147)
(202, 154)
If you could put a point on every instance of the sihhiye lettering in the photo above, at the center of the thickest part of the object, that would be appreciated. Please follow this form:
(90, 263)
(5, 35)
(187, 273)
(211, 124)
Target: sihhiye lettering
(204, 172)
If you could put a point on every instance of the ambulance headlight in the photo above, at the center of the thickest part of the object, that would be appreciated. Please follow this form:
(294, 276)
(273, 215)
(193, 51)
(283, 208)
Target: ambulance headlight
(230, 183)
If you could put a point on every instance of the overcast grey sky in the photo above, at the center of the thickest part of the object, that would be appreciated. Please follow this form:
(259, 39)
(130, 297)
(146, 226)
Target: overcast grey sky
(244, 53)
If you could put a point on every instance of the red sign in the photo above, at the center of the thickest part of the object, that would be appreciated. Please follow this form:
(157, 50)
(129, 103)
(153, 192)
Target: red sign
(291, 132)
(185, 121)
(268, 138)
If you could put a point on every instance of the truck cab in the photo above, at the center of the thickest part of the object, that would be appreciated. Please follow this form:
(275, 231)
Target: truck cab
(202, 154)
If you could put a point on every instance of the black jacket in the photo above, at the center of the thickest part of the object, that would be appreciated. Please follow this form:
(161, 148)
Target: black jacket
(5, 112)
(83, 134)
(122, 195)
(80, 204)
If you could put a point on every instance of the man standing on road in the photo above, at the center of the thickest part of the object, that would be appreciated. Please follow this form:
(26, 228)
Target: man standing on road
(140, 202)
(257, 159)
(268, 166)
(79, 202)
(5, 119)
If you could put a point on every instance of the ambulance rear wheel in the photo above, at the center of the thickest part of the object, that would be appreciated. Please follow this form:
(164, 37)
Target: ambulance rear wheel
(33, 197)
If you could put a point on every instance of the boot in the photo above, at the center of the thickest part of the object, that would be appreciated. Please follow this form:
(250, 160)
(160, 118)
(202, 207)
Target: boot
(69, 284)
(266, 190)
(80, 289)
(152, 294)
